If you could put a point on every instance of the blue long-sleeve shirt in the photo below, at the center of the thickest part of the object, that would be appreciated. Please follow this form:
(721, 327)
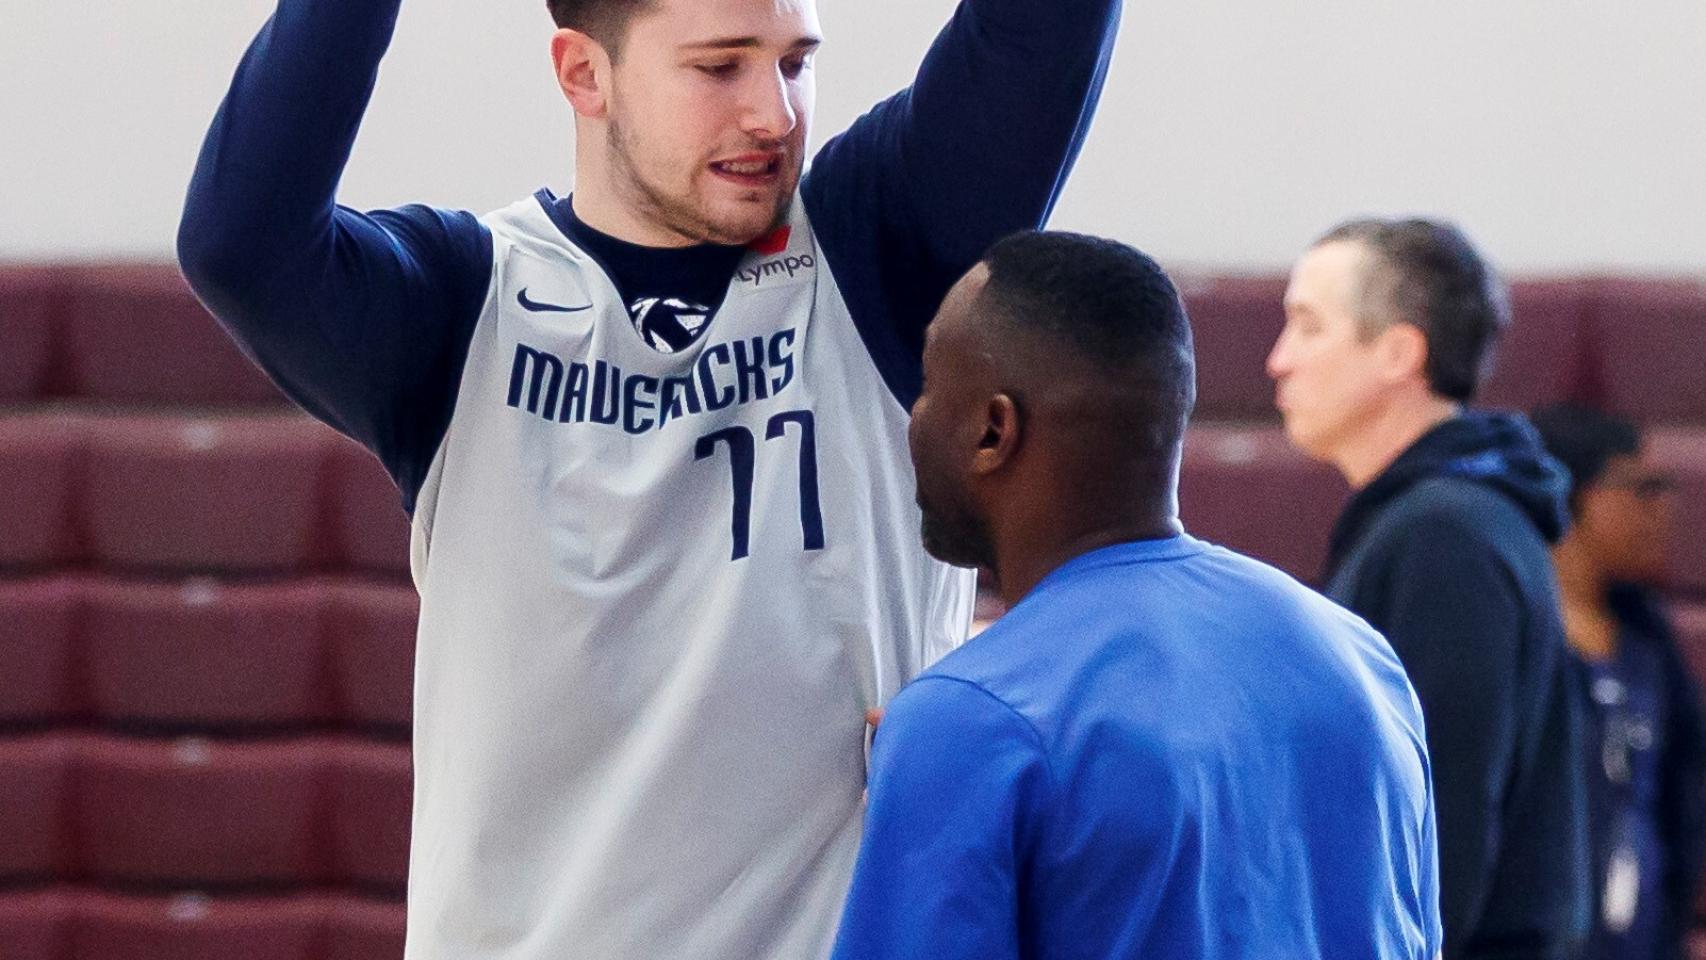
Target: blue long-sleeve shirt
(1165, 751)
(364, 318)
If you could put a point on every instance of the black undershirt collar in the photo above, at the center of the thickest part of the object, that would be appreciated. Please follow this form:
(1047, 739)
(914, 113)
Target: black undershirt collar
(698, 274)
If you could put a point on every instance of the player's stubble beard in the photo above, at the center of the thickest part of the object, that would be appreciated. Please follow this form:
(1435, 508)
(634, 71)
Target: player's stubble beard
(953, 531)
(683, 215)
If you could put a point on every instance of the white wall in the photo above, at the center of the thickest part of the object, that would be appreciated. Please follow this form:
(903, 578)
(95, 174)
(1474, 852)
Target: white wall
(1563, 134)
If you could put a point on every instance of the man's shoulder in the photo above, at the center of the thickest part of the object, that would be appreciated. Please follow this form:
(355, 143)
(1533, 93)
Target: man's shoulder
(1453, 510)
(530, 223)
(1453, 535)
(1008, 667)
(946, 710)
(976, 668)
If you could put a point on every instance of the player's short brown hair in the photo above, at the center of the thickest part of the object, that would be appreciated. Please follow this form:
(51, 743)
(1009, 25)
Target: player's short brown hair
(603, 20)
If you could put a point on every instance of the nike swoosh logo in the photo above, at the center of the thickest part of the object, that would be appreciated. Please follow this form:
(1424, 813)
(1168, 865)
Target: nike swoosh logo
(537, 307)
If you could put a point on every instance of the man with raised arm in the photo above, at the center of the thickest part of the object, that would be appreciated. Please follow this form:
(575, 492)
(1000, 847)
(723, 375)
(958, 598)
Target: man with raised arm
(652, 436)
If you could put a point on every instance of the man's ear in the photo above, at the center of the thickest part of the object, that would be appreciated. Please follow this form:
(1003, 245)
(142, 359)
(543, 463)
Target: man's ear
(1403, 352)
(583, 72)
(1003, 434)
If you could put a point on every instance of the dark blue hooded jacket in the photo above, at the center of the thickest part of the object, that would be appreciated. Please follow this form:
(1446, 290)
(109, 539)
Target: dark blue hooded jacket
(1447, 554)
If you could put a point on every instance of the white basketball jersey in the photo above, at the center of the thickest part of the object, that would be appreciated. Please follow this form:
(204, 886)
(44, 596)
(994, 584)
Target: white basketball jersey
(658, 591)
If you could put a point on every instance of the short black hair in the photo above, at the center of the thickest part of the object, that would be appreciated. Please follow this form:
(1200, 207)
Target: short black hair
(603, 20)
(1110, 304)
(1584, 439)
(1426, 273)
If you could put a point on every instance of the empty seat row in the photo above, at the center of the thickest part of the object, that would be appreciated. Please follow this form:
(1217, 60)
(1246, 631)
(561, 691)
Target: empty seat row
(1635, 346)
(1245, 487)
(65, 923)
(200, 655)
(262, 493)
(204, 814)
(118, 333)
(135, 334)
(283, 494)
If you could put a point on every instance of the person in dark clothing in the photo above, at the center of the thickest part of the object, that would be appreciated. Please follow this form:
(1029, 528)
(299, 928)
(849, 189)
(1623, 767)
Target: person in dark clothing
(1645, 753)
(1444, 549)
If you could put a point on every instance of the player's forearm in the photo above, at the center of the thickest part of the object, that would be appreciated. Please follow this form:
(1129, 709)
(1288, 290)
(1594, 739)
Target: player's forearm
(261, 200)
(999, 110)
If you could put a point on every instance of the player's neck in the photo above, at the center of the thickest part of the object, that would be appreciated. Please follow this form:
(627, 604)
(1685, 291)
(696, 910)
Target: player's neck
(600, 210)
(600, 202)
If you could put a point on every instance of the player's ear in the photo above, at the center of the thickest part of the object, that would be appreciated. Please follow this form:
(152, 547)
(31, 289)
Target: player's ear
(583, 71)
(1002, 434)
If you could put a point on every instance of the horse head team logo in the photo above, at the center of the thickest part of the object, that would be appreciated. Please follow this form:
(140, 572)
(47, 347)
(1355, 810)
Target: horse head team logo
(667, 324)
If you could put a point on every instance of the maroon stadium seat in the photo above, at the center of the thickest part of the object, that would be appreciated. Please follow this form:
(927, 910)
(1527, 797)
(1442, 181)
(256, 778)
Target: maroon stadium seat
(195, 927)
(194, 812)
(216, 493)
(1684, 451)
(71, 924)
(1690, 621)
(36, 925)
(35, 784)
(363, 930)
(1652, 339)
(1248, 489)
(1543, 357)
(39, 460)
(371, 529)
(370, 631)
(136, 334)
(370, 815)
(38, 651)
(29, 314)
(205, 655)
(1235, 321)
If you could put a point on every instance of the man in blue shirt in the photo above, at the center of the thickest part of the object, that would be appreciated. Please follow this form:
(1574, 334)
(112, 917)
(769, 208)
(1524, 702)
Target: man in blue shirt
(1165, 749)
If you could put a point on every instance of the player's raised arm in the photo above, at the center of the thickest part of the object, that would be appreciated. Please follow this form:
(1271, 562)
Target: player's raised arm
(996, 117)
(362, 318)
(977, 148)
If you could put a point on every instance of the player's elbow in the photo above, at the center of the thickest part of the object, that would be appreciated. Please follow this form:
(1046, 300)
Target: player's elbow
(201, 254)
(218, 262)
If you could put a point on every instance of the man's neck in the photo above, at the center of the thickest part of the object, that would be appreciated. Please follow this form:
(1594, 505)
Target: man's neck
(1388, 434)
(1032, 553)
(1588, 621)
(1580, 579)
